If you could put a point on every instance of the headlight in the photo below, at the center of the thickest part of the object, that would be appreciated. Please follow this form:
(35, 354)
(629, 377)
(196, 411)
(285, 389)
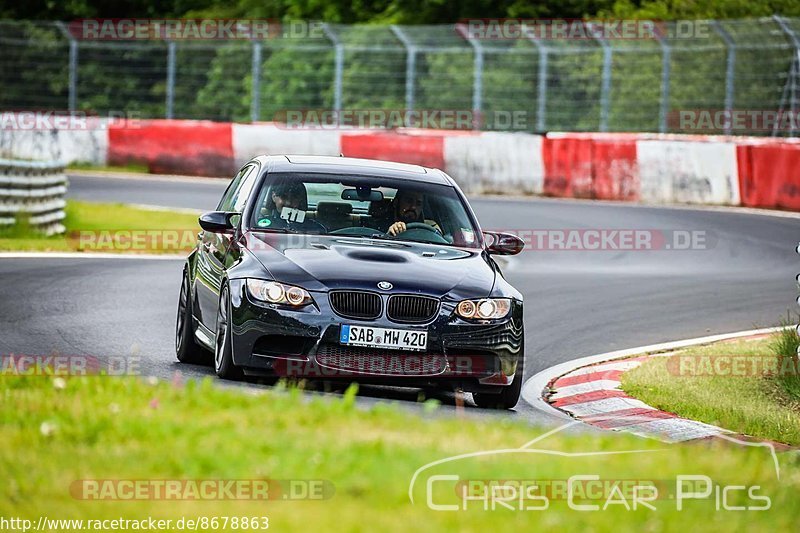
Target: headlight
(485, 309)
(278, 293)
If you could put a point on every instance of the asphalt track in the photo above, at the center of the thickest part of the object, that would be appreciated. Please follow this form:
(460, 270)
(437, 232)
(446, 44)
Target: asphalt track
(577, 303)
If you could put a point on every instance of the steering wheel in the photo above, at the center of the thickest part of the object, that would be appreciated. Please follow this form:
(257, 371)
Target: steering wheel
(423, 233)
(421, 225)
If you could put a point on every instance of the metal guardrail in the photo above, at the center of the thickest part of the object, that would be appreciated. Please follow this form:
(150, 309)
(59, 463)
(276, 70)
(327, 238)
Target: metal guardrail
(34, 190)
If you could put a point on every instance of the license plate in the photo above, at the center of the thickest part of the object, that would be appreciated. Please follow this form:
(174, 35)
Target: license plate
(394, 339)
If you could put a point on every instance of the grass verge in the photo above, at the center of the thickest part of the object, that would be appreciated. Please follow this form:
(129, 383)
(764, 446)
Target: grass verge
(105, 227)
(749, 386)
(59, 433)
(130, 167)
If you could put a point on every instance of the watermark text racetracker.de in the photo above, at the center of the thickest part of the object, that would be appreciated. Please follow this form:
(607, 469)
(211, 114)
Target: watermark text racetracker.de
(199, 29)
(49, 120)
(490, 29)
(150, 523)
(595, 239)
(734, 120)
(613, 239)
(387, 118)
(732, 365)
(202, 489)
(53, 365)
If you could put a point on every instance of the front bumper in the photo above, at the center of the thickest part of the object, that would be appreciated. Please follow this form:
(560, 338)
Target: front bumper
(304, 343)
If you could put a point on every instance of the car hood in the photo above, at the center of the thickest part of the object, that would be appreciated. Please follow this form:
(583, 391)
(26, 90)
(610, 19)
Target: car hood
(320, 262)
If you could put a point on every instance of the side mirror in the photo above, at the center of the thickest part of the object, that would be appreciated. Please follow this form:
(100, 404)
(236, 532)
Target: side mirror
(217, 221)
(503, 243)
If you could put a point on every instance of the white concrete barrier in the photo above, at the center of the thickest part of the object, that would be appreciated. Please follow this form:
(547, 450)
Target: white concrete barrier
(65, 145)
(250, 140)
(693, 172)
(495, 162)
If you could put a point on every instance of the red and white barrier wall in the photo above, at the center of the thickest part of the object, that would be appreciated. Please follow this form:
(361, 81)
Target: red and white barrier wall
(647, 168)
(197, 148)
(769, 175)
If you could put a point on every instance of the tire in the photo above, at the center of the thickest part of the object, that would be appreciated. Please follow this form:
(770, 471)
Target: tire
(186, 347)
(509, 396)
(223, 352)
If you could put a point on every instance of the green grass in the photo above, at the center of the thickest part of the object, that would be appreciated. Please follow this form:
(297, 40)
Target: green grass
(106, 428)
(130, 167)
(760, 398)
(785, 344)
(96, 226)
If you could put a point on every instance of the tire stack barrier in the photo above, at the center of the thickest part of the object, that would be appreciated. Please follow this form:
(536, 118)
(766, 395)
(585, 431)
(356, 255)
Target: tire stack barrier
(33, 189)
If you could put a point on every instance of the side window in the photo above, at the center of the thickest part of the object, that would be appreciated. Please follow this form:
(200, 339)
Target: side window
(227, 198)
(248, 181)
(228, 201)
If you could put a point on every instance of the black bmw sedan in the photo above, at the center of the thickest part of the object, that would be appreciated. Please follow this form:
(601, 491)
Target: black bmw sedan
(332, 268)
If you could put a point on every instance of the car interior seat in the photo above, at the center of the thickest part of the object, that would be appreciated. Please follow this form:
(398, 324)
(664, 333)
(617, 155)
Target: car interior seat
(335, 215)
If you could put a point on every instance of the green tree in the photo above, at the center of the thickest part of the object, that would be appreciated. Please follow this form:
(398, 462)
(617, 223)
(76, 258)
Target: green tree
(296, 77)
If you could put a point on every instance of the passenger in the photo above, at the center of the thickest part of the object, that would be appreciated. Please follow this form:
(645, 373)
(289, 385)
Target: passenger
(291, 195)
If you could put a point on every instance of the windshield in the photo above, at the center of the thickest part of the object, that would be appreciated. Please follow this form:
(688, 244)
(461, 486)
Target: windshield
(363, 206)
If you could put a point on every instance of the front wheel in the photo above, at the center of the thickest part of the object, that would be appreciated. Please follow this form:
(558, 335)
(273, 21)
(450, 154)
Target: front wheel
(186, 347)
(509, 396)
(223, 346)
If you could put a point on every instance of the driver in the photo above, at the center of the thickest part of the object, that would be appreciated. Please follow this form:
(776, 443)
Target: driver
(408, 209)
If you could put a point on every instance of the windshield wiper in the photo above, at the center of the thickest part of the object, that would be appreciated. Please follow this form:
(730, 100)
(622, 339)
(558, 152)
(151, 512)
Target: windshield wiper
(374, 236)
(385, 237)
(405, 242)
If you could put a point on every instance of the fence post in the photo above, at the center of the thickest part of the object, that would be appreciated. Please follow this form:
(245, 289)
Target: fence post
(541, 114)
(605, 84)
(541, 104)
(72, 96)
(793, 72)
(730, 73)
(255, 93)
(666, 70)
(170, 78)
(477, 79)
(338, 66)
(411, 60)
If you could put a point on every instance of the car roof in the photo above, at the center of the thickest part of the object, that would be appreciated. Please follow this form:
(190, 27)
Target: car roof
(355, 166)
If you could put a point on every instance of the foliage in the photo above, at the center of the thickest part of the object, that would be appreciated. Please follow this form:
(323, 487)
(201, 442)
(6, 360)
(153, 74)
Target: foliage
(214, 80)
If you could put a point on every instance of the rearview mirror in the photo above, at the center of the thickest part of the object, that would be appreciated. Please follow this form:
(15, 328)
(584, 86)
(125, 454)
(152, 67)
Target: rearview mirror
(362, 194)
(217, 221)
(503, 243)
